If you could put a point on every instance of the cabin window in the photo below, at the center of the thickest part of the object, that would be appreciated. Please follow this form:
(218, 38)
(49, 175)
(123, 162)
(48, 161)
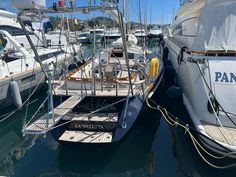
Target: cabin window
(187, 28)
(130, 55)
(178, 30)
(14, 31)
(117, 54)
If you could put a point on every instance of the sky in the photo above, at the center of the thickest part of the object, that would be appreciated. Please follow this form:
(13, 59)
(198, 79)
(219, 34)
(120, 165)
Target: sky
(161, 11)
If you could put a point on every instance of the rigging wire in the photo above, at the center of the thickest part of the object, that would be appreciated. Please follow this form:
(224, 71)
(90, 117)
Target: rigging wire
(212, 94)
(12, 113)
(83, 115)
(34, 65)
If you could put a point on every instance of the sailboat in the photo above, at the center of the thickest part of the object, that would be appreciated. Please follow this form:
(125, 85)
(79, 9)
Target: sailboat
(202, 50)
(19, 71)
(104, 96)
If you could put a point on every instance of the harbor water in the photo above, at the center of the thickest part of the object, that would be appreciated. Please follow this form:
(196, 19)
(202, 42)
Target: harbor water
(152, 148)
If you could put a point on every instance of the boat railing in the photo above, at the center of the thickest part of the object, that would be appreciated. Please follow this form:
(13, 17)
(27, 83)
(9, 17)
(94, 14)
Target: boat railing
(16, 44)
(18, 47)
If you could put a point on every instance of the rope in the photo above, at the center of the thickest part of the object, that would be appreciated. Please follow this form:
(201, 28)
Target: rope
(209, 163)
(12, 113)
(215, 113)
(210, 90)
(34, 65)
(182, 123)
(36, 112)
(181, 55)
(196, 144)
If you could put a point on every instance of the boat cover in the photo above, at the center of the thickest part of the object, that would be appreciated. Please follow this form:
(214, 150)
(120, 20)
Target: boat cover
(216, 29)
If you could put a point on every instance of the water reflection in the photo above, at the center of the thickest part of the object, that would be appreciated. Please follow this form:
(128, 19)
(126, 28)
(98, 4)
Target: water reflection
(190, 164)
(131, 157)
(13, 145)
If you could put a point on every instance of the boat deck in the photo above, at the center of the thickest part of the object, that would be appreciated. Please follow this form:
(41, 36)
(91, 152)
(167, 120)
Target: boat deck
(107, 91)
(86, 137)
(225, 135)
(43, 124)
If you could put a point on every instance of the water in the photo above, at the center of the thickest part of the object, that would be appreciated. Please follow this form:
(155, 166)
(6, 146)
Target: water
(152, 148)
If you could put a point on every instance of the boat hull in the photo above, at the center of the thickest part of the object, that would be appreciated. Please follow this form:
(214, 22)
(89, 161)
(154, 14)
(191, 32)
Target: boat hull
(27, 81)
(136, 106)
(195, 93)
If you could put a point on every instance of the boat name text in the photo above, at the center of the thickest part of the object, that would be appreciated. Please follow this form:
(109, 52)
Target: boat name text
(225, 77)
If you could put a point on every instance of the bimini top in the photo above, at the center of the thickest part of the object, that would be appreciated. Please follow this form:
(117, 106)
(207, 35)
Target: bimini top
(216, 29)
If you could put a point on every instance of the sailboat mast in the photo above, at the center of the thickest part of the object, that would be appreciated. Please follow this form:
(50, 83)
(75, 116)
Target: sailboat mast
(124, 8)
(123, 36)
(128, 24)
(94, 53)
(150, 16)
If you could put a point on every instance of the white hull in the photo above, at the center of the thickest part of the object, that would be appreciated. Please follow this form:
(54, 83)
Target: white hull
(26, 81)
(196, 95)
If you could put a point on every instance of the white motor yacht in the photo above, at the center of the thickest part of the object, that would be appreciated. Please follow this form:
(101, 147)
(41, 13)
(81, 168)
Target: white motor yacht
(84, 38)
(155, 31)
(112, 34)
(201, 43)
(99, 34)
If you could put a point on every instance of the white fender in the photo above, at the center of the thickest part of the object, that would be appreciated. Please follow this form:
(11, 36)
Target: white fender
(15, 93)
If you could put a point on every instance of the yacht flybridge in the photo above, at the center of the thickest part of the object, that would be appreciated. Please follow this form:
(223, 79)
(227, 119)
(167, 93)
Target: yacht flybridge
(201, 43)
(105, 95)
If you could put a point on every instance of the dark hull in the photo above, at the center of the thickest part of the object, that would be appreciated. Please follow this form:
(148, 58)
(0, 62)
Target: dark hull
(136, 105)
(122, 156)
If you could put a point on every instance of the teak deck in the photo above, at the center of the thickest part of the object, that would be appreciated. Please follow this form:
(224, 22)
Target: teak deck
(226, 135)
(42, 125)
(86, 137)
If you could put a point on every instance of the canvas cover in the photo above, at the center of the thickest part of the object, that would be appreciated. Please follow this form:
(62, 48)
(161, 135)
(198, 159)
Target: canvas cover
(217, 26)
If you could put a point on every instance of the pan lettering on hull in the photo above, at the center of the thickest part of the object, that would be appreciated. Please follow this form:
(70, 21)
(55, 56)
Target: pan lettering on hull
(224, 77)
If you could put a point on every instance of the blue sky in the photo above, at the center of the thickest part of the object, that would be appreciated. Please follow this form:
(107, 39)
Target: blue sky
(161, 11)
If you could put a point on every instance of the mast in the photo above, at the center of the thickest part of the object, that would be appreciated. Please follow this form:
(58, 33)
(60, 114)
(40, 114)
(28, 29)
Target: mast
(124, 8)
(128, 24)
(94, 53)
(123, 35)
(145, 16)
(150, 16)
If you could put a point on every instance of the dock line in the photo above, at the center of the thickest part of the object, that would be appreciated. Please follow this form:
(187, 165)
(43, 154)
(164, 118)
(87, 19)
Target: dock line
(168, 117)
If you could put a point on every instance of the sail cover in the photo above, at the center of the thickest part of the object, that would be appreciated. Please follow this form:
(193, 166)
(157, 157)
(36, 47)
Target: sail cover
(217, 26)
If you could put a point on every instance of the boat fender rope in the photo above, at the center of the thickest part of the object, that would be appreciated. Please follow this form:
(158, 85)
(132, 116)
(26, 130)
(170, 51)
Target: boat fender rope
(196, 144)
(176, 122)
(186, 129)
(181, 55)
